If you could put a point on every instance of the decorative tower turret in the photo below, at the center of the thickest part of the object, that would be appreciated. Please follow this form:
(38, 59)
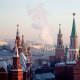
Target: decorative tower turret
(23, 44)
(18, 37)
(16, 70)
(60, 39)
(29, 55)
(74, 47)
(60, 47)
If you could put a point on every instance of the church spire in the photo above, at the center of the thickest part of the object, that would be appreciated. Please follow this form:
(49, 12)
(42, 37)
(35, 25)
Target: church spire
(16, 50)
(74, 33)
(23, 43)
(59, 38)
(23, 39)
(18, 37)
(59, 28)
(17, 29)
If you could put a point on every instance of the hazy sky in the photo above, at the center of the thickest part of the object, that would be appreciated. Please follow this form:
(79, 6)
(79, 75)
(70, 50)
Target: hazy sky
(14, 12)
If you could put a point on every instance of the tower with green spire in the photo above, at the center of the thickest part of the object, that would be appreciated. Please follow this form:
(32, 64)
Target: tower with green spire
(74, 47)
(74, 33)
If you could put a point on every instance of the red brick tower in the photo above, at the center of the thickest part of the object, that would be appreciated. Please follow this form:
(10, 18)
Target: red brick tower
(16, 70)
(76, 70)
(74, 47)
(60, 47)
(18, 37)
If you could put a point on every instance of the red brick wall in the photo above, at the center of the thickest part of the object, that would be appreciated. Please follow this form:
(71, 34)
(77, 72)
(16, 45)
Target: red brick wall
(25, 77)
(60, 72)
(59, 54)
(64, 72)
(76, 74)
(77, 70)
(16, 75)
(3, 76)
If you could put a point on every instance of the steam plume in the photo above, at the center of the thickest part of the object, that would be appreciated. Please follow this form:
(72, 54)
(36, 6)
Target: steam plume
(40, 23)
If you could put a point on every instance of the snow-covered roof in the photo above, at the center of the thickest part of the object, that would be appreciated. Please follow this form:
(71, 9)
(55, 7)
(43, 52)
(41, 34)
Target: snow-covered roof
(16, 70)
(7, 56)
(3, 64)
(60, 64)
(44, 76)
(23, 60)
(64, 63)
(71, 62)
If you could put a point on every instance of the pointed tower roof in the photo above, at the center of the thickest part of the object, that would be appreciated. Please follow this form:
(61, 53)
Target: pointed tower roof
(59, 28)
(17, 29)
(22, 38)
(23, 43)
(74, 33)
(16, 50)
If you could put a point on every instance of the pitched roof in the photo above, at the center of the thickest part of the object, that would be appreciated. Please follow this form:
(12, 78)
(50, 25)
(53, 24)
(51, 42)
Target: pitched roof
(59, 28)
(74, 33)
(17, 30)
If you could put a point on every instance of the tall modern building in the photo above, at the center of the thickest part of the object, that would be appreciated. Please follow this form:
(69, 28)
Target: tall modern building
(74, 47)
(60, 47)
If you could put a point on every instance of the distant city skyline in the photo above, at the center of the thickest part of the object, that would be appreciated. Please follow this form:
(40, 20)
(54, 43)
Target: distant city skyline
(13, 12)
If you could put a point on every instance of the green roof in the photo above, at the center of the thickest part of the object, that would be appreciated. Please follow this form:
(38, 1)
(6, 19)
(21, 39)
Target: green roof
(74, 33)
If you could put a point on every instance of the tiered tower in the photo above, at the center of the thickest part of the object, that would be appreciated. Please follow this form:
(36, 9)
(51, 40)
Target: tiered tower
(23, 44)
(29, 55)
(18, 37)
(60, 47)
(74, 47)
(16, 70)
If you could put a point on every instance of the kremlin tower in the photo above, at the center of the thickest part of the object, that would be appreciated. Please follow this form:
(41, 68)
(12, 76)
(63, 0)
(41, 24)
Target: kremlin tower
(60, 47)
(16, 70)
(18, 37)
(23, 44)
(74, 47)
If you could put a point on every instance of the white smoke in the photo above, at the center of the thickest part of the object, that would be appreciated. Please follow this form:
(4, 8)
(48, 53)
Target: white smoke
(40, 23)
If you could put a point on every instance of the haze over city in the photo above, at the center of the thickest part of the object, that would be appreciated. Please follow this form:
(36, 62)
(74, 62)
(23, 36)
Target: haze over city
(52, 13)
(39, 39)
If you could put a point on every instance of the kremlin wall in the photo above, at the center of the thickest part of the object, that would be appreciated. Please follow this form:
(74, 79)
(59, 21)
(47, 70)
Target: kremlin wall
(68, 59)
